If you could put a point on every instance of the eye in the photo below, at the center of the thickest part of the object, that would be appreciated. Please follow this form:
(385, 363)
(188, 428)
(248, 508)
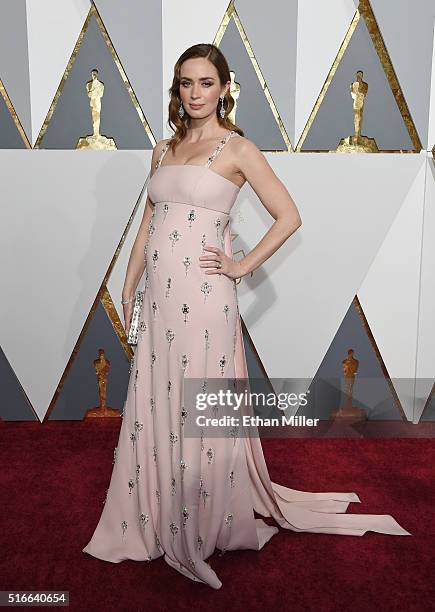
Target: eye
(207, 83)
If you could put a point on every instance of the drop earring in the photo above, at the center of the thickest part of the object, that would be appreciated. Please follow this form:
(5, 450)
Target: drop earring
(181, 110)
(222, 110)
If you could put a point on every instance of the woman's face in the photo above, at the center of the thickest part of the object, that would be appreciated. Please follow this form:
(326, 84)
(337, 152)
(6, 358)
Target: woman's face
(200, 87)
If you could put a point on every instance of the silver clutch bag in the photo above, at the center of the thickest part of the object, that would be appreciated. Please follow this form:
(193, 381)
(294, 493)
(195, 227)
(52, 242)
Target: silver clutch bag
(134, 327)
(138, 301)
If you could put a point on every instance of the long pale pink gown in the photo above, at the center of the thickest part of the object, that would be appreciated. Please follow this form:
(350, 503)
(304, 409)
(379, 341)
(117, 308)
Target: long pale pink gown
(181, 496)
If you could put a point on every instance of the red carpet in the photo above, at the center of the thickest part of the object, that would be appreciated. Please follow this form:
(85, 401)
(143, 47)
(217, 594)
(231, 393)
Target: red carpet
(54, 479)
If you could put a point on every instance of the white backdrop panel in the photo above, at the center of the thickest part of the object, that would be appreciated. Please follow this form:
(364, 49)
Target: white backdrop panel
(426, 330)
(298, 298)
(390, 291)
(66, 212)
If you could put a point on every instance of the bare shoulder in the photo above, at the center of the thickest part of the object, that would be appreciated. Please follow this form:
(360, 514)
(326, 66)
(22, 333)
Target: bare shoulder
(160, 145)
(157, 150)
(247, 156)
(244, 147)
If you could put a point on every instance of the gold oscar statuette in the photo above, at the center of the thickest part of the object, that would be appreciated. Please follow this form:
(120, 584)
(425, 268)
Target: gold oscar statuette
(102, 367)
(234, 93)
(347, 411)
(95, 91)
(358, 143)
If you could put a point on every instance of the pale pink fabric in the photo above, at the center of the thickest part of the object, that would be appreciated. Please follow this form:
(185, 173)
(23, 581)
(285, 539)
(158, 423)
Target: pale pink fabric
(137, 517)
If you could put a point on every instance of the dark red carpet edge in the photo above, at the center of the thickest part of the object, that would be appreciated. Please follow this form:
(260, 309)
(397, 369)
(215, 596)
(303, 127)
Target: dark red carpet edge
(54, 479)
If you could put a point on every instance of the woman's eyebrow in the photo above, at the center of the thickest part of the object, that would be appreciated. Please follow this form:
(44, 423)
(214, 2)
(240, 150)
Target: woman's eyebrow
(201, 78)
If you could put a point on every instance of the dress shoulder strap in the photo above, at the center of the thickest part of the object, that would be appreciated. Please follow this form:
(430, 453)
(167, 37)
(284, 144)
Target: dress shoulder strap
(219, 148)
(162, 154)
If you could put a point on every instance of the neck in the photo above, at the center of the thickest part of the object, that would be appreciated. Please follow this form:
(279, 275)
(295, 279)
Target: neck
(204, 131)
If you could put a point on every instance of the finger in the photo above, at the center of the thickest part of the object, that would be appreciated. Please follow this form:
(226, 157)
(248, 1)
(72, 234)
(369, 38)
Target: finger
(219, 269)
(208, 265)
(206, 257)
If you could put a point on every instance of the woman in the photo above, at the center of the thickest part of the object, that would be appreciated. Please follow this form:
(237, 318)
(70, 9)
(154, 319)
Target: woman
(171, 494)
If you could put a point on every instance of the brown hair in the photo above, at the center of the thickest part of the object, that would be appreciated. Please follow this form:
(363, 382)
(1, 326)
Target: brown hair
(217, 58)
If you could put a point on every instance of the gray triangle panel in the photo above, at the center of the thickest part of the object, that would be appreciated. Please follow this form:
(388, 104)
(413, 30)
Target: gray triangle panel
(72, 119)
(10, 137)
(381, 120)
(14, 405)
(253, 114)
(371, 390)
(79, 392)
(14, 64)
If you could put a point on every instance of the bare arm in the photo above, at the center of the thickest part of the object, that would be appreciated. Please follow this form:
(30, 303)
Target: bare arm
(274, 197)
(136, 263)
(250, 163)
